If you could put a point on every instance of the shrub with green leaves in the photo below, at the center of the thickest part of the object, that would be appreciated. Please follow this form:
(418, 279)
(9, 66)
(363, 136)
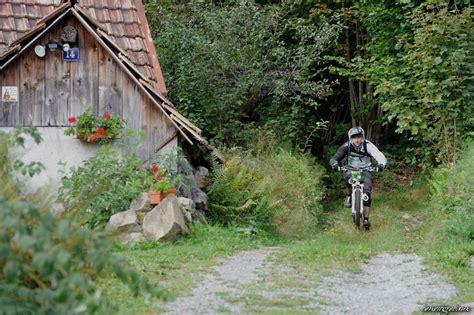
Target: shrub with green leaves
(275, 190)
(453, 192)
(420, 62)
(49, 265)
(452, 197)
(103, 185)
(9, 164)
(108, 181)
(233, 66)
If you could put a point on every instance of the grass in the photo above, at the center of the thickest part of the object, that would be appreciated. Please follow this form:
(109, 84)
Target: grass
(344, 246)
(447, 256)
(403, 222)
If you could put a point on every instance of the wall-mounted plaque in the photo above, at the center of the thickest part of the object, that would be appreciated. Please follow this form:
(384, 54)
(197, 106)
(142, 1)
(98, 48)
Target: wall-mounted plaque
(72, 54)
(9, 94)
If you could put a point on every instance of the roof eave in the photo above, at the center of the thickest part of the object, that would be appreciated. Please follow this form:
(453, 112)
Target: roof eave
(42, 28)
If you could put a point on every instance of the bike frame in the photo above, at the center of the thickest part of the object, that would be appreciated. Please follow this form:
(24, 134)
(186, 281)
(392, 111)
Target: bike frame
(357, 188)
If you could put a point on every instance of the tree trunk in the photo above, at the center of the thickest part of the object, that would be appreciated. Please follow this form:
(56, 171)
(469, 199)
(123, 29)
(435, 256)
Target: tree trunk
(352, 92)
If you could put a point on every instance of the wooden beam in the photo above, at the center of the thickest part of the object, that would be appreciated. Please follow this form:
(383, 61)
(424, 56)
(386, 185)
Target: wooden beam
(169, 106)
(161, 146)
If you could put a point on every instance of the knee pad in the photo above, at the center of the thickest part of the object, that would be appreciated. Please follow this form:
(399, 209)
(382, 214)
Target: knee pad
(369, 200)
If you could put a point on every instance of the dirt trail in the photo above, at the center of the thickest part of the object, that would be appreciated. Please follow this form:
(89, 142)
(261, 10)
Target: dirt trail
(244, 283)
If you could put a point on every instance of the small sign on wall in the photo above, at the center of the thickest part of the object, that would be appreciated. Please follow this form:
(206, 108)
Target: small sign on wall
(9, 94)
(72, 54)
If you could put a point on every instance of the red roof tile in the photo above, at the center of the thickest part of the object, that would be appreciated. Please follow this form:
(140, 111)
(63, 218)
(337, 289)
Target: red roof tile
(123, 21)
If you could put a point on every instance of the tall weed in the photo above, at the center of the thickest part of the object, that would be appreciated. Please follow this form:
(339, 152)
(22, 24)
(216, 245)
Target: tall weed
(452, 193)
(264, 188)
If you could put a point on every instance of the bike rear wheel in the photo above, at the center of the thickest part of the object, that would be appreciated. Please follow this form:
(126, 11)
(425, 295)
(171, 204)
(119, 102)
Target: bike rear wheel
(357, 196)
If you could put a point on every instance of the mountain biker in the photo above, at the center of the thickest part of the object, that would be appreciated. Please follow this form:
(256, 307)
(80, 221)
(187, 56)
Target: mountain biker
(359, 152)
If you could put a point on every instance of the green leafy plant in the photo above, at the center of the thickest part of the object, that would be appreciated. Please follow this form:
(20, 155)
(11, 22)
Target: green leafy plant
(174, 166)
(17, 138)
(91, 128)
(104, 184)
(452, 204)
(421, 72)
(267, 189)
(157, 181)
(235, 66)
(50, 265)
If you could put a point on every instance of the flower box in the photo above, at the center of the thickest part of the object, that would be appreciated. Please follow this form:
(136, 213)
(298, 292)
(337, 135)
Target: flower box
(157, 196)
(92, 129)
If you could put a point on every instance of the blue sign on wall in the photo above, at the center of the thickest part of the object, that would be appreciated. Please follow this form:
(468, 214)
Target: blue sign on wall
(71, 55)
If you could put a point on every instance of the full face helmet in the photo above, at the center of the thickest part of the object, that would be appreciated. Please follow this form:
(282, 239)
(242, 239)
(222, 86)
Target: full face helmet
(356, 131)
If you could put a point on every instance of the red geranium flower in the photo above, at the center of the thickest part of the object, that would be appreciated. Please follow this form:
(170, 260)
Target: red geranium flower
(106, 116)
(101, 131)
(94, 137)
(158, 177)
(72, 120)
(155, 169)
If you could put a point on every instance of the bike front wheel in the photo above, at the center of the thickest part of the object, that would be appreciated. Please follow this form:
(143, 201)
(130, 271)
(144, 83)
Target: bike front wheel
(357, 198)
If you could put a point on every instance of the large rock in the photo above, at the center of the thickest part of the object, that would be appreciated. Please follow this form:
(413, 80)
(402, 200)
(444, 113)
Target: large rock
(124, 221)
(141, 205)
(130, 238)
(186, 203)
(185, 190)
(200, 198)
(165, 222)
(188, 207)
(201, 176)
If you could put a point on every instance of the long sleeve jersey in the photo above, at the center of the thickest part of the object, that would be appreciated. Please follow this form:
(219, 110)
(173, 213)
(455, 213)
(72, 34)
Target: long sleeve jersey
(358, 158)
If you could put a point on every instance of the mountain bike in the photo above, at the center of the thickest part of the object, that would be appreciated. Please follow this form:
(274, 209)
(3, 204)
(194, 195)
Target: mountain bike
(358, 196)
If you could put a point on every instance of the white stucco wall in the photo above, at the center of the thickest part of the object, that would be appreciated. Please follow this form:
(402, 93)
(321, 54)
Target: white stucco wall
(55, 148)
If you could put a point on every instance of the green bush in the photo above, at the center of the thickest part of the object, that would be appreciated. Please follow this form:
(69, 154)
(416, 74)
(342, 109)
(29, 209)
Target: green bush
(274, 190)
(233, 66)
(421, 71)
(105, 184)
(48, 265)
(9, 165)
(452, 193)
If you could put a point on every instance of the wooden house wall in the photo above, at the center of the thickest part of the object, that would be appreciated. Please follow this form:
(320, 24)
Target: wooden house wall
(51, 90)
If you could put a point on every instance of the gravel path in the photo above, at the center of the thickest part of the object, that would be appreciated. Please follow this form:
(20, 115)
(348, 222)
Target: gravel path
(387, 284)
(241, 269)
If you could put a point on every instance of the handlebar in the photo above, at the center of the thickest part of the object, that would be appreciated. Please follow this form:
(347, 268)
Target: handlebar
(370, 169)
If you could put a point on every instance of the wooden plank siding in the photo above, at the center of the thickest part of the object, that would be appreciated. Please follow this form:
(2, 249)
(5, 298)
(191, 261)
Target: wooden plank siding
(58, 83)
(10, 111)
(32, 88)
(110, 92)
(51, 90)
(84, 74)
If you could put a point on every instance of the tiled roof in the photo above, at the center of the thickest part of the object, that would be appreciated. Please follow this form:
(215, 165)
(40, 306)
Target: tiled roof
(123, 22)
(18, 17)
